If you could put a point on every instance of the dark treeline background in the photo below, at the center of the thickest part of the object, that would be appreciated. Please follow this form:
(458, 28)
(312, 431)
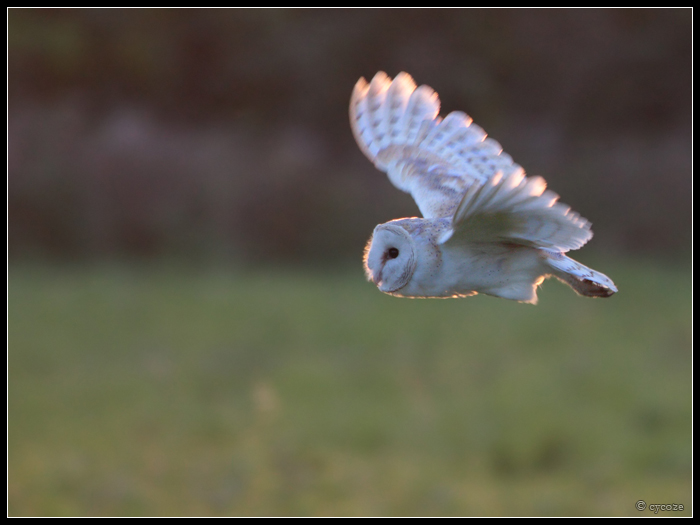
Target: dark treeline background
(223, 134)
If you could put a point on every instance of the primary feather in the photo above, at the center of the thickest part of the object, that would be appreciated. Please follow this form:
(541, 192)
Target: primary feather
(397, 127)
(532, 214)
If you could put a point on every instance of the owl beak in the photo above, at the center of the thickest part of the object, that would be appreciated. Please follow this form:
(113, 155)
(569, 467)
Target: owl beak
(376, 278)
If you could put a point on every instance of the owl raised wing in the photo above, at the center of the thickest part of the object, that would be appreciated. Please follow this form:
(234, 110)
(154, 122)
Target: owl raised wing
(486, 228)
(451, 169)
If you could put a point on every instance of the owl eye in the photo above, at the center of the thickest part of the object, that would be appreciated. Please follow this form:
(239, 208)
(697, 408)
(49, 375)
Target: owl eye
(393, 253)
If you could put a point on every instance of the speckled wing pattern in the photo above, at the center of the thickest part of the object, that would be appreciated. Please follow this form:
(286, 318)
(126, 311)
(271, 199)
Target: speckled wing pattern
(451, 169)
(397, 126)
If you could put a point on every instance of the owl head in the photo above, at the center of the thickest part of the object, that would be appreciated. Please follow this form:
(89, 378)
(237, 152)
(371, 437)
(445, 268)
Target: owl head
(390, 257)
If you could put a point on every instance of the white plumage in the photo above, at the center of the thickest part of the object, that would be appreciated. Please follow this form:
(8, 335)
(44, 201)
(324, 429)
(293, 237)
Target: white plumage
(486, 227)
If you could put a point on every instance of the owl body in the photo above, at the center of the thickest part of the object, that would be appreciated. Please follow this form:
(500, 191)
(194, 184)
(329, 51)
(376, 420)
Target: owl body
(502, 270)
(486, 227)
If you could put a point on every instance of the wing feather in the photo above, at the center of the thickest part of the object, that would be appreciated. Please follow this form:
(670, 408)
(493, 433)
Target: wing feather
(452, 169)
(397, 127)
(520, 210)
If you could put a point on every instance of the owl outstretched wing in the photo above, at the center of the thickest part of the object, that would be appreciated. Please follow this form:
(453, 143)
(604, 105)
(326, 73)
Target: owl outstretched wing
(520, 210)
(397, 127)
(451, 169)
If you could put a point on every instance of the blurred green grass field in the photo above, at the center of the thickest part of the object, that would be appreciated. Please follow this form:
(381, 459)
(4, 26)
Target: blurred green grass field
(138, 390)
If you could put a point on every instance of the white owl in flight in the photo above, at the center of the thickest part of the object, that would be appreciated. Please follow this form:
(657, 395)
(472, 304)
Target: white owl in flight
(486, 228)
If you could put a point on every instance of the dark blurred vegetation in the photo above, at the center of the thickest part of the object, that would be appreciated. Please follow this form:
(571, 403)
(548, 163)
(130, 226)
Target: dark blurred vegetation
(223, 134)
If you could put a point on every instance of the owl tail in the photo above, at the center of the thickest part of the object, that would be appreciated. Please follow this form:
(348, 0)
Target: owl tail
(584, 280)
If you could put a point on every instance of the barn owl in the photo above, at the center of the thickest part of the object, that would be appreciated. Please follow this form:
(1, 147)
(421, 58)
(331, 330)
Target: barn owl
(486, 227)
